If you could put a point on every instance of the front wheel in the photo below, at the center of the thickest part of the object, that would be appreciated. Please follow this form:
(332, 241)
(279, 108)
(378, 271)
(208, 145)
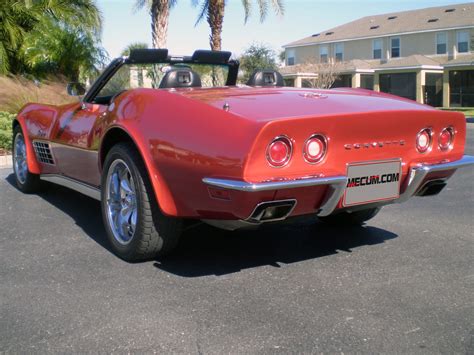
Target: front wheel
(27, 182)
(136, 228)
(351, 218)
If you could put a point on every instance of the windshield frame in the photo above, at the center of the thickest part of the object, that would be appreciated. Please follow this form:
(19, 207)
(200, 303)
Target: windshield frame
(117, 63)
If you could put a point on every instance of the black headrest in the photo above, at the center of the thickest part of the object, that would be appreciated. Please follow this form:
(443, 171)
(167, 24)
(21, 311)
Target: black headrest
(265, 78)
(180, 78)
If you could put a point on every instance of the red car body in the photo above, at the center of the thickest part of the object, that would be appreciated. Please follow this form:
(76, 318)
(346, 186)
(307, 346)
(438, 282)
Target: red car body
(205, 149)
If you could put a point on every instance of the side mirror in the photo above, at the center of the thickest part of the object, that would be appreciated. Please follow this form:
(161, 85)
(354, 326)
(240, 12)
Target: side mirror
(75, 89)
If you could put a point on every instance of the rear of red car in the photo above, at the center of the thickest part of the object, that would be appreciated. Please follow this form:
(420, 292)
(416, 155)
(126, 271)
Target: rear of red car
(344, 158)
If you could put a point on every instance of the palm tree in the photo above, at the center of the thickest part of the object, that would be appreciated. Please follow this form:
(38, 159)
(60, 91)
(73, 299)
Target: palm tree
(160, 13)
(81, 14)
(19, 17)
(214, 11)
(60, 49)
(15, 21)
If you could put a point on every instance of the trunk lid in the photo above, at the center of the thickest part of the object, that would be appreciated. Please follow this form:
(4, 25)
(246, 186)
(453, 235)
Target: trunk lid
(268, 104)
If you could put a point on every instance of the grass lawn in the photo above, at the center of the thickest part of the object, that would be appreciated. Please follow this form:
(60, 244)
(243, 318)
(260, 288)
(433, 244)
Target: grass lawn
(468, 111)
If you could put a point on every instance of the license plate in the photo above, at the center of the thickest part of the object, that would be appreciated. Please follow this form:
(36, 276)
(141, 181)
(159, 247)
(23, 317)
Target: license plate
(372, 181)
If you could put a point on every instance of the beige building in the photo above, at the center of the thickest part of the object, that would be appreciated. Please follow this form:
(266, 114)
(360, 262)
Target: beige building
(425, 55)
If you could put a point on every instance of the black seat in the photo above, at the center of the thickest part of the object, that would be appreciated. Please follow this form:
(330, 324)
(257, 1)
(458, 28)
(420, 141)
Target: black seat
(180, 78)
(266, 77)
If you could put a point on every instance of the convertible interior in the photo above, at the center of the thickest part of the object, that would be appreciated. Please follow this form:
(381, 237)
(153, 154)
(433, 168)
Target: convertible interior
(155, 69)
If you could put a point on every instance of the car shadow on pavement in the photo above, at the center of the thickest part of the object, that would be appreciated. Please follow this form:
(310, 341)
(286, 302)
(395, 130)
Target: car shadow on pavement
(84, 210)
(205, 250)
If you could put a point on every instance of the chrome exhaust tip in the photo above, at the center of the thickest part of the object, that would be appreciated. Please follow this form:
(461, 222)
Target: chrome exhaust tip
(432, 187)
(272, 211)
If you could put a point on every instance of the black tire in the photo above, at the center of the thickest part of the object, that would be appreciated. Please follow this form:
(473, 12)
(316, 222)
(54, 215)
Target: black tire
(351, 218)
(155, 234)
(28, 182)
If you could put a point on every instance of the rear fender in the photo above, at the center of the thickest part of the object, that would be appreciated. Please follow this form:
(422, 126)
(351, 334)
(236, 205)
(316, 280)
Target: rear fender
(162, 192)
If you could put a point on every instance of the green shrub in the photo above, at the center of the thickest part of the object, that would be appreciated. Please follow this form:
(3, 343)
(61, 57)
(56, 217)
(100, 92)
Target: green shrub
(6, 120)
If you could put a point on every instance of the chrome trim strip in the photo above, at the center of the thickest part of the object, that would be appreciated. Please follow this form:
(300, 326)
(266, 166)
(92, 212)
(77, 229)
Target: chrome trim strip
(420, 173)
(323, 138)
(73, 185)
(332, 198)
(337, 184)
(430, 145)
(273, 185)
(451, 130)
(289, 155)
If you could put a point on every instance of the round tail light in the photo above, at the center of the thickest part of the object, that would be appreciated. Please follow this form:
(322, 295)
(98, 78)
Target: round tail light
(423, 140)
(279, 151)
(315, 148)
(446, 138)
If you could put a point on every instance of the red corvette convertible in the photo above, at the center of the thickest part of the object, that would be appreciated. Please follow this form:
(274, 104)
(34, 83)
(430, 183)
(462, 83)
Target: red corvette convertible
(159, 139)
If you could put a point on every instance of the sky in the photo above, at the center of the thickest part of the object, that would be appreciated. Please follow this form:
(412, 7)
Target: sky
(302, 18)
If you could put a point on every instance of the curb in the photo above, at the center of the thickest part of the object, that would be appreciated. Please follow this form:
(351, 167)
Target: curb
(6, 161)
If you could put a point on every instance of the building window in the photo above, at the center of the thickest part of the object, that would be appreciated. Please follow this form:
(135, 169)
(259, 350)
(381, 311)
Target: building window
(290, 57)
(463, 41)
(395, 47)
(323, 54)
(377, 49)
(441, 43)
(339, 52)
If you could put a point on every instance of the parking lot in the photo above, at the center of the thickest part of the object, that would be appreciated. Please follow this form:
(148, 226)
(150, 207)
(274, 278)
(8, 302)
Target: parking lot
(402, 283)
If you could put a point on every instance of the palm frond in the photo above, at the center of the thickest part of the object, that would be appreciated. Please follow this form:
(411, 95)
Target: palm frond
(279, 7)
(263, 6)
(79, 13)
(204, 10)
(4, 66)
(247, 4)
(140, 4)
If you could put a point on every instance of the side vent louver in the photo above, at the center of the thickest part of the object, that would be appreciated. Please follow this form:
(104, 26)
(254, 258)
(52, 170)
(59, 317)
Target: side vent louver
(43, 152)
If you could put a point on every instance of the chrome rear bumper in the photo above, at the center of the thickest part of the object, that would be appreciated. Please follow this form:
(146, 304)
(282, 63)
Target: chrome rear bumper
(418, 174)
(337, 184)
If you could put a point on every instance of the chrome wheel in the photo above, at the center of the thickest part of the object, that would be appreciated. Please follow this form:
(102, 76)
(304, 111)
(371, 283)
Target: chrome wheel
(121, 202)
(19, 158)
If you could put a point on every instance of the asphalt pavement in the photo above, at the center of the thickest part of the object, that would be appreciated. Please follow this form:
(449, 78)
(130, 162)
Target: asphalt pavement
(402, 283)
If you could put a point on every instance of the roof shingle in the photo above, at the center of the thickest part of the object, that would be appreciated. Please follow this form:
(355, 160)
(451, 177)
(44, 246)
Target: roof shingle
(397, 22)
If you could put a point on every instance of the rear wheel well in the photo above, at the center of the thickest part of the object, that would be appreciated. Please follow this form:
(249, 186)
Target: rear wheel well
(15, 123)
(112, 137)
(115, 136)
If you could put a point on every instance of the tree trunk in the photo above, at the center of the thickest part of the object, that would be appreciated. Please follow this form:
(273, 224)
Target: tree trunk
(215, 18)
(160, 12)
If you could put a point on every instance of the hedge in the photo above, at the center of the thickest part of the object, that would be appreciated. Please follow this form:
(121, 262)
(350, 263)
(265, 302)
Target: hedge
(6, 120)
